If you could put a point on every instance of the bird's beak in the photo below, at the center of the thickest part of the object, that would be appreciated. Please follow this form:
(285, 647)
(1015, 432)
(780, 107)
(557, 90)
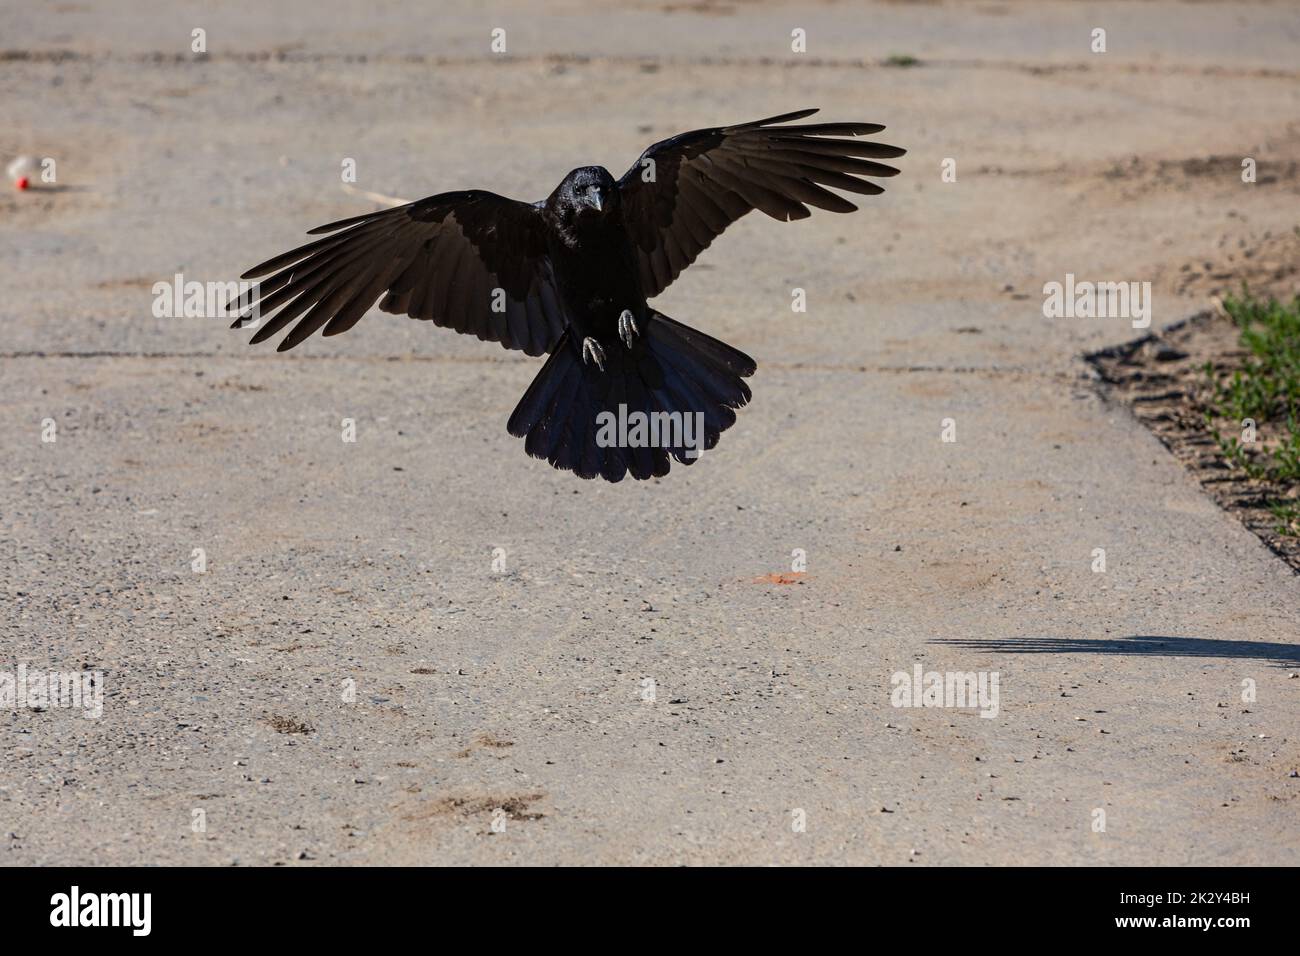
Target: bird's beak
(593, 197)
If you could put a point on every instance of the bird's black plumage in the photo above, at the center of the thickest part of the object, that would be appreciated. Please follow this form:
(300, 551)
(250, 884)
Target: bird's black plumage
(570, 276)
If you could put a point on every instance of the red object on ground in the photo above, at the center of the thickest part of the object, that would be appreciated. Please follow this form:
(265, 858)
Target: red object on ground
(22, 182)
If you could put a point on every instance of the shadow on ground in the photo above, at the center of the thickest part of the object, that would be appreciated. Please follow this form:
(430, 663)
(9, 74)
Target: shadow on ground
(1280, 655)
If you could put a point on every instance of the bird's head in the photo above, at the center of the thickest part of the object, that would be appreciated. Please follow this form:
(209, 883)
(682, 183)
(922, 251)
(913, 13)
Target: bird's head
(588, 190)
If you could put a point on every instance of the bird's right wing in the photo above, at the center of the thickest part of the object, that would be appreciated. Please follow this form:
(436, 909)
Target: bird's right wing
(683, 192)
(471, 261)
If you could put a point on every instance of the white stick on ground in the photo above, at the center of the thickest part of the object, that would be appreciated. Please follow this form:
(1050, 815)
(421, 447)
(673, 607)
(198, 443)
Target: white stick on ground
(375, 197)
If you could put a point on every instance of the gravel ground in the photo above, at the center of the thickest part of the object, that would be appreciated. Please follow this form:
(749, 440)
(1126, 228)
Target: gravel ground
(425, 647)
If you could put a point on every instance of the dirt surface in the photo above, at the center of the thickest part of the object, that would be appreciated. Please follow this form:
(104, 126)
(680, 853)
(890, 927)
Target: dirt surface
(425, 647)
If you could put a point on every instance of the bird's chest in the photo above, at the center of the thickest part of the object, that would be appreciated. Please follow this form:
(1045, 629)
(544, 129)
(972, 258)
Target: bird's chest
(596, 271)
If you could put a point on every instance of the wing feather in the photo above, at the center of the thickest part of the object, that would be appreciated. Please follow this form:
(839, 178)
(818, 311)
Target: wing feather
(705, 180)
(440, 258)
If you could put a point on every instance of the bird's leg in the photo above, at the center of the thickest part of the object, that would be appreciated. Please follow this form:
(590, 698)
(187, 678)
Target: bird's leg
(627, 329)
(592, 352)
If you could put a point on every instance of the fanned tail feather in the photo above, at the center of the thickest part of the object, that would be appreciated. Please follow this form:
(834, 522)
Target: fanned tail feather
(671, 369)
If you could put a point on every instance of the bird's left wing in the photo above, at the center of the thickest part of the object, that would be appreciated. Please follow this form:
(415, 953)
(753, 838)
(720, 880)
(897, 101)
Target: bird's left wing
(683, 192)
(471, 261)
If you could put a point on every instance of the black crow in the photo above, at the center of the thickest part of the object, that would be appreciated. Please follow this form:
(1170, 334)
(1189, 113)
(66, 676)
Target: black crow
(625, 386)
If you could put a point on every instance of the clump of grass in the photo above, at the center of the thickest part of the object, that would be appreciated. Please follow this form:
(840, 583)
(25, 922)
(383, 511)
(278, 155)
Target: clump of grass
(1268, 385)
(1265, 389)
(1287, 514)
(901, 59)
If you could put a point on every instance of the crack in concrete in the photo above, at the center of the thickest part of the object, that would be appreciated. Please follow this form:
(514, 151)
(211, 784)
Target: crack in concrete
(991, 370)
(640, 60)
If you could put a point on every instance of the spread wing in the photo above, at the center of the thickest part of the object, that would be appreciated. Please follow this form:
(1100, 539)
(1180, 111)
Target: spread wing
(470, 261)
(683, 192)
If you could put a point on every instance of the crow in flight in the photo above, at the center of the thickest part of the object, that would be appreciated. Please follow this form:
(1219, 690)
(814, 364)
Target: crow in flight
(570, 276)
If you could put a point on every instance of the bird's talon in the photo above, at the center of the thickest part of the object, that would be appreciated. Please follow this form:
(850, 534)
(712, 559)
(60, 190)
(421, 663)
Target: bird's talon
(592, 352)
(627, 329)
